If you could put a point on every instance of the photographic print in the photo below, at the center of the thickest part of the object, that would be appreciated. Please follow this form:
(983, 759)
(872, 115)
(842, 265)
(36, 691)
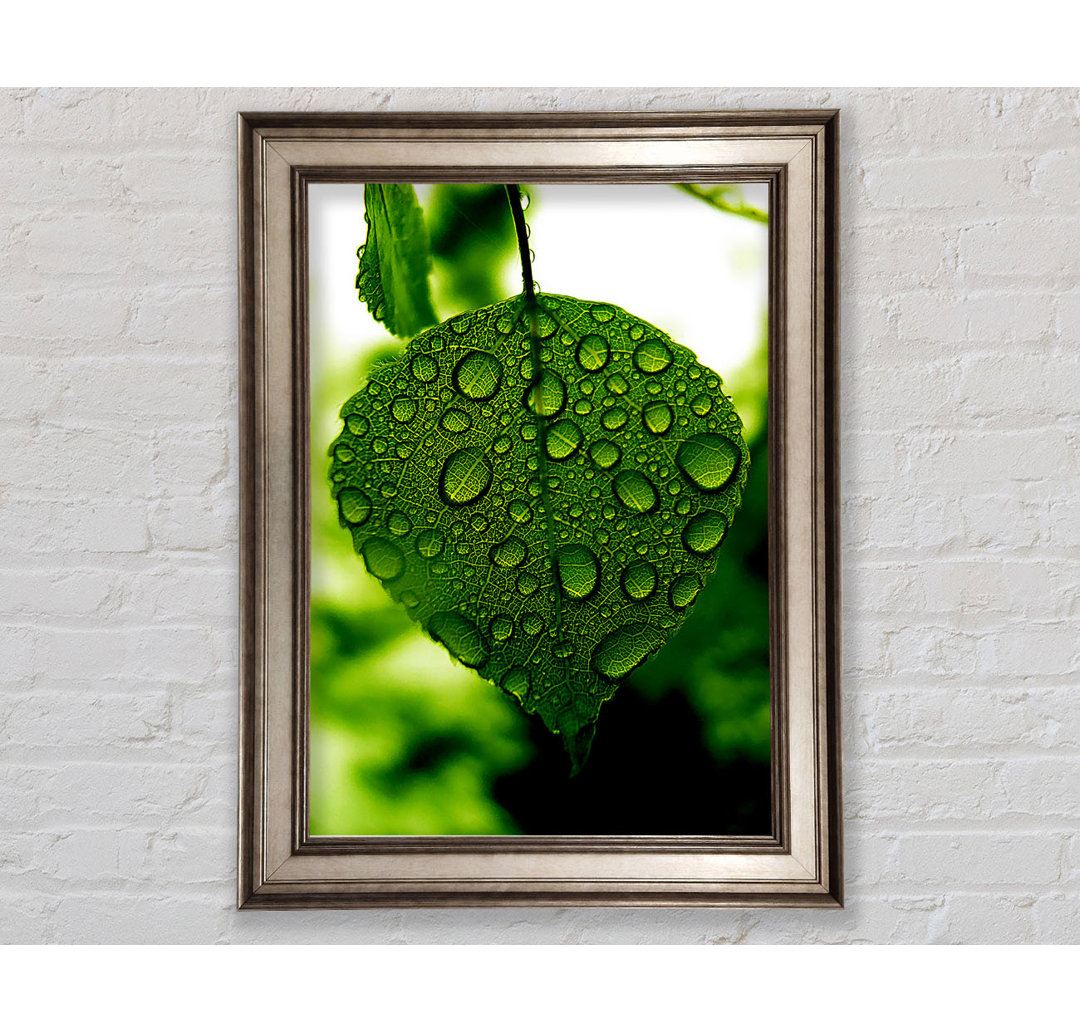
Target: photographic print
(539, 509)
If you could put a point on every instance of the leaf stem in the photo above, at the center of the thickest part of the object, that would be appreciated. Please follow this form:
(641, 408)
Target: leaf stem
(715, 196)
(513, 196)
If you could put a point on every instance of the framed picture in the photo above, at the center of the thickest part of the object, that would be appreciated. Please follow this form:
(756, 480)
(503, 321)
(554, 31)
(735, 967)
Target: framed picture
(539, 510)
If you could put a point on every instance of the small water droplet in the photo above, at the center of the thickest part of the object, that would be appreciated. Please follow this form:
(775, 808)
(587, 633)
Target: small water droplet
(605, 454)
(455, 421)
(429, 543)
(424, 368)
(403, 409)
(615, 418)
(657, 417)
(652, 356)
(547, 396)
(701, 404)
(532, 624)
(617, 384)
(354, 506)
(516, 683)
(684, 590)
(501, 628)
(519, 511)
(602, 313)
(527, 584)
(398, 523)
(563, 439)
(705, 532)
(635, 491)
(593, 352)
(344, 454)
(478, 376)
(639, 581)
(509, 553)
(357, 424)
(578, 570)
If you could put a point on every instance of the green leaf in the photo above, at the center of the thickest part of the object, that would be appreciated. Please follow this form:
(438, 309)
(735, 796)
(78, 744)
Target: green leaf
(395, 259)
(552, 527)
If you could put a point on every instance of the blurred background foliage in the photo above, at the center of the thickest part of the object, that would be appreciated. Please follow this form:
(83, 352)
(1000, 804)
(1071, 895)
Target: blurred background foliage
(406, 742)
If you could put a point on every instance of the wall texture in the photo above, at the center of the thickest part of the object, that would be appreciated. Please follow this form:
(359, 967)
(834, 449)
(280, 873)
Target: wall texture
(961, 531)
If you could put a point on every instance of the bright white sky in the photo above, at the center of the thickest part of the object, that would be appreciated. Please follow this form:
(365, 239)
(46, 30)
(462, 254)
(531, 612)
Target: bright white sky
(699, 274)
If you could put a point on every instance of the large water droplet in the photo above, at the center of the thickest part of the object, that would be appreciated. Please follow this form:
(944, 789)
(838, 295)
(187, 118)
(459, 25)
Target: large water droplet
(605, 454)
(547, 396)
(563, 439)
(460, 636)
(466, 476)
(684, 590)
(384, 559)
(403, 409)
(709, 461)
(455, 421)
(635, 491)
(593, 352)
(702, 405)
(354, 506)
(621, 650)
(657, 417)
(705, 532)
(652, 356)
(478, 375)
(424, 368)
(510, 553)
(639, 580)
(578, 570)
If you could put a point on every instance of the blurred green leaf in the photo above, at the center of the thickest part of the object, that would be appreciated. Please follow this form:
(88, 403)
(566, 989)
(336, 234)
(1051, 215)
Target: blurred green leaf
(395, 259)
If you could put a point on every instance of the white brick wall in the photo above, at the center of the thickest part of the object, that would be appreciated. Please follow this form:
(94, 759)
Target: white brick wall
(961, 550)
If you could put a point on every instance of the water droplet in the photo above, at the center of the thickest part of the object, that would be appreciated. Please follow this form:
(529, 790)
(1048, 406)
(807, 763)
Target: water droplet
(399, 524)
(455, 421)
(516, 683)
(403, 409)
(635, 491)
(605, 454)
(684, 590)
(563, 648)
(532, 624)
(357, 424)
(615, 418)
(510, 553)
(602, 313)
(505, 322)
(709, 461)
(354, 506)
(527, 584)
(344, 454)
(429, 543)
(460, 636)
(547, 396)
(652, 356)
(478, 522)
(657, 417)
(519, 511)
(593, 352)
(621, 650)
(501, 445)
(563, 439)
(478, 376)
(465, 477)
(410, 598)
(682, 507)
(578, 570)
(383, 559)
(583, 407)
(639, 581)
(424, 368)
(637, 332)
(501, 628)
(617, 384)
(701, 404)
(705, 532)
(528, 432)
(545, 325)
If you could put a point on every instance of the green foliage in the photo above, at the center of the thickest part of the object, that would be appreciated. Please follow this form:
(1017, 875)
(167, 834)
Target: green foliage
(395, 259)
(550, 527)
